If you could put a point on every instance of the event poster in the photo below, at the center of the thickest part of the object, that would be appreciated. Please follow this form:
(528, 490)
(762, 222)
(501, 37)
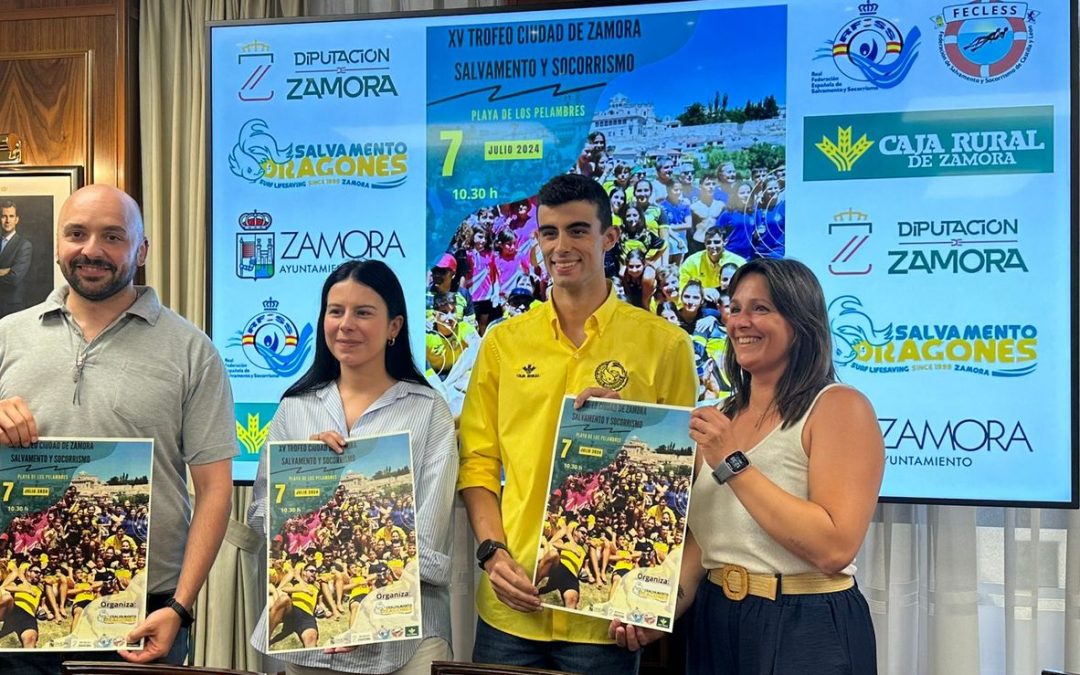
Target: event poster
(317, 159)
(923, 150)
(74, 523)
(343, 567)
(612, 538)
(680, 141)
(919, 142)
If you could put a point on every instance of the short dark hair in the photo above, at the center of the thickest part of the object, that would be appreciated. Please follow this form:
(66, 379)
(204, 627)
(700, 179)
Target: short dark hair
(376, 275)
(8, 204)
(723, 230)
(571, 187)
(798, 298)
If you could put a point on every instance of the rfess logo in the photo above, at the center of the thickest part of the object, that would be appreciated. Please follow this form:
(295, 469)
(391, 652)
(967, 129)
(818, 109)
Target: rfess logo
(985, 40)
(993, 350)
(258, 158)
(869, 49)
(271, 342)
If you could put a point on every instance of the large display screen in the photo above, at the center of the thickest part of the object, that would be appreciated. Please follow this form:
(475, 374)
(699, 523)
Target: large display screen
(925, 150)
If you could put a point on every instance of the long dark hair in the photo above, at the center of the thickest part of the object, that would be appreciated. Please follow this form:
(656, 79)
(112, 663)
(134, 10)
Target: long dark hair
(798, 298)
(377, 276)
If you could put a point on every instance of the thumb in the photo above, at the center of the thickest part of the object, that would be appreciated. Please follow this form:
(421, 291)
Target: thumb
(138, 632)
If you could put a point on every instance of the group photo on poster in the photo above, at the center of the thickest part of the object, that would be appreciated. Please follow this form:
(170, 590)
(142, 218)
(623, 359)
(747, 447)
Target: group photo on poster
(696, 179)
(613, 531)
(74, 519)
(343, 567)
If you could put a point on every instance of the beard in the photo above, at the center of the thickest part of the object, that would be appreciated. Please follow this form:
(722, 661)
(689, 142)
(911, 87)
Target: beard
(102, 290)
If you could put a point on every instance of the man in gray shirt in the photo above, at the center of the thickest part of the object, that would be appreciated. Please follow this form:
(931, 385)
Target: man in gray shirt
(102, 358)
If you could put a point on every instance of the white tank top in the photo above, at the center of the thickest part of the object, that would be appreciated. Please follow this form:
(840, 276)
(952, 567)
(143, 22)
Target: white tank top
(725, 530)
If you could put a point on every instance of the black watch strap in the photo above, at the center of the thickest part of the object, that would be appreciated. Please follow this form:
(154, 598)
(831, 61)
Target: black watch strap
(185, 616)
(487, 549)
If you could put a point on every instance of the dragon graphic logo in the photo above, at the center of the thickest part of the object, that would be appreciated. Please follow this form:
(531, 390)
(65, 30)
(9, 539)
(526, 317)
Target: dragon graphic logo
(254, 148)
(851, 327)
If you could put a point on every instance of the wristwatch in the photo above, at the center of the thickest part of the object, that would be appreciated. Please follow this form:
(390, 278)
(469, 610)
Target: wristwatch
(185, 616)
(735, 463)
(487, 549)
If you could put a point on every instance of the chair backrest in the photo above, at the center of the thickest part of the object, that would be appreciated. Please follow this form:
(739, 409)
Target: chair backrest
(124, 668)
(454, 668)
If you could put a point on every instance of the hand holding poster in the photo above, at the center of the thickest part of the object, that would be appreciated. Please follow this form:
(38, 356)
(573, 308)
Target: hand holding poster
(612, 537)
(343, 567)
(74, 517)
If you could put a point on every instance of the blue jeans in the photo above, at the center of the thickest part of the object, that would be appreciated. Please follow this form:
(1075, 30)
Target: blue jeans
(48, 663)
(496, 647)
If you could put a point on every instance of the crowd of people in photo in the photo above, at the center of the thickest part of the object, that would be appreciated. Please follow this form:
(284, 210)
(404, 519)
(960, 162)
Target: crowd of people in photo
(660, 283)
(56, 561)
(683, 231)
(325, 563)
(600, 525)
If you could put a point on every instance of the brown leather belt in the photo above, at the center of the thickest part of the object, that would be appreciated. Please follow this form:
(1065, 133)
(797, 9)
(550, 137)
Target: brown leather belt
(738, 583)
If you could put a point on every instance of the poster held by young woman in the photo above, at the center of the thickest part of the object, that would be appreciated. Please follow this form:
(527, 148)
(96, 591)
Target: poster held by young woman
(343, 568)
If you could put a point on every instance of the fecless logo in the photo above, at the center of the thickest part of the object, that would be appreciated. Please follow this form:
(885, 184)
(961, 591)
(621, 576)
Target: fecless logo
(986, 40)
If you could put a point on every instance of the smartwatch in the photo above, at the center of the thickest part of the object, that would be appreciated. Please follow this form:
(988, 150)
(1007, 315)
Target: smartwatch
(734, 464)
(487, 549)
(185, 616)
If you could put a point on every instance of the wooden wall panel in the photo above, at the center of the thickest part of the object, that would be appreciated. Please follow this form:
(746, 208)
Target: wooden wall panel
(46, 99)
(103, 32)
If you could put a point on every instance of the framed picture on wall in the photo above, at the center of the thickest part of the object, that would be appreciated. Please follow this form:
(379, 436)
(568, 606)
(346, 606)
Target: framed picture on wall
(30, 199)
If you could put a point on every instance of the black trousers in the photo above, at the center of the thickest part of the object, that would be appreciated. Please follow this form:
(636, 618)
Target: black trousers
(823, 634)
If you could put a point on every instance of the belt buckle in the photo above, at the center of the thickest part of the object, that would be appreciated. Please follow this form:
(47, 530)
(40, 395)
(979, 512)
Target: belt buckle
(735, 581)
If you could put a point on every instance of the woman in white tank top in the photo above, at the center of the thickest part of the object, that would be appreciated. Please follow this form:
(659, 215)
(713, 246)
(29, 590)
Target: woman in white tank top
(788, 478)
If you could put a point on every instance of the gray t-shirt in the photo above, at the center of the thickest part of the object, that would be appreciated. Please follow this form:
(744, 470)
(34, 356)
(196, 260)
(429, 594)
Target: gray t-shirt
(150, 374)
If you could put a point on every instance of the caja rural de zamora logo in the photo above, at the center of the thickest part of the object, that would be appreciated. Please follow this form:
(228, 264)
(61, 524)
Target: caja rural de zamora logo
(929, 143)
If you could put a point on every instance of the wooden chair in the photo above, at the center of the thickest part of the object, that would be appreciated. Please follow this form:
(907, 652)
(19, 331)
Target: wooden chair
(124, 668)
(454, 668)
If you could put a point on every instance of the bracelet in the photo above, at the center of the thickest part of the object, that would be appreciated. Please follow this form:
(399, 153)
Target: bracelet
(185, 616)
